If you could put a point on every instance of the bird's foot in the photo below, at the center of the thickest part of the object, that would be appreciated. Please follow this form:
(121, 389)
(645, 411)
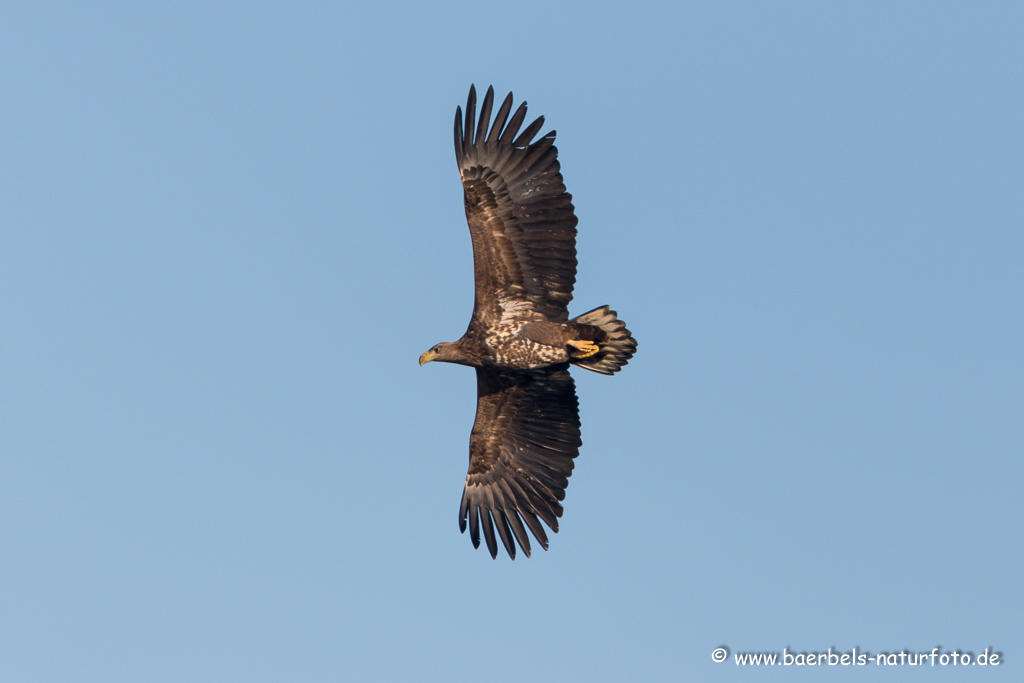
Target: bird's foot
(581, 348)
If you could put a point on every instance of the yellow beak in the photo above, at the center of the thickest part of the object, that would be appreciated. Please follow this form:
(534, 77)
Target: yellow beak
(428, 356)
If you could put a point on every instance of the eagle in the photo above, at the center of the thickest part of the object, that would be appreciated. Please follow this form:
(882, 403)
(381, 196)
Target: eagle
(520, 338)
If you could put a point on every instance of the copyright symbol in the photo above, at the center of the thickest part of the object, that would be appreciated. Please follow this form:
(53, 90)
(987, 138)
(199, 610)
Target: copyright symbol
(719, 654)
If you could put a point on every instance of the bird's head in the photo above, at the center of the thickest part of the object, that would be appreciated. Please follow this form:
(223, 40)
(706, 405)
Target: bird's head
(446, 352)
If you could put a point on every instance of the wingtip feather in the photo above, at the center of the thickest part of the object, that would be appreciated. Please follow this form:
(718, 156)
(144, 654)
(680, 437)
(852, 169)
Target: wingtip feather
(467, 138)
(485, 116)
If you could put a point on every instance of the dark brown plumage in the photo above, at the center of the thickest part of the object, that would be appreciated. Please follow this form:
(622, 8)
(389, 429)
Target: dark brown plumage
(520, 338)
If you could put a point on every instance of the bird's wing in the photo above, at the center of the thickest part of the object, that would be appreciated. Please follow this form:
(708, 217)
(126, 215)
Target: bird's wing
(526, 434)
(520, 216)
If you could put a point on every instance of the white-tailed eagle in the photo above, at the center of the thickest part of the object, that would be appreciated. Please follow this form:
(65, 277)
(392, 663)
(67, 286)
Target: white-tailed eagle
(520, 338)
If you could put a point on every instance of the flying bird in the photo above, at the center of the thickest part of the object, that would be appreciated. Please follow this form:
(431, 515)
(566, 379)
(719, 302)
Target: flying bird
(520, 338)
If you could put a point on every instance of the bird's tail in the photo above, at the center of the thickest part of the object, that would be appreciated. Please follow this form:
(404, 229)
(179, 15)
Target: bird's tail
(615, 343)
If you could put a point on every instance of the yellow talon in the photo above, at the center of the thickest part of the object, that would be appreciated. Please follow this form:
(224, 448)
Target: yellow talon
(581, 348)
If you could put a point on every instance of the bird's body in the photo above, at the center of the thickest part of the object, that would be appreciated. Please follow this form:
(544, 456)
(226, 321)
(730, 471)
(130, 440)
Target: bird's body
(520, 339)
(526, 344)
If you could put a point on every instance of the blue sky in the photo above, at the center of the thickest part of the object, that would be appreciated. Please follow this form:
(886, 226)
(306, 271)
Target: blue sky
(227, 231)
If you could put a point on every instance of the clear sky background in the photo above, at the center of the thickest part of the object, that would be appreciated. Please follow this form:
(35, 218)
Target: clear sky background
(227, 231)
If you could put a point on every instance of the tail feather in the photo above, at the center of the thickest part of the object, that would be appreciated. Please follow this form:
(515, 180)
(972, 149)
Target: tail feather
(616, 348)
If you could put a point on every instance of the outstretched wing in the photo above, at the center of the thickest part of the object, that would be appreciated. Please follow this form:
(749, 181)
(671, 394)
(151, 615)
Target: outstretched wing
(526, 434)
(519, 214)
